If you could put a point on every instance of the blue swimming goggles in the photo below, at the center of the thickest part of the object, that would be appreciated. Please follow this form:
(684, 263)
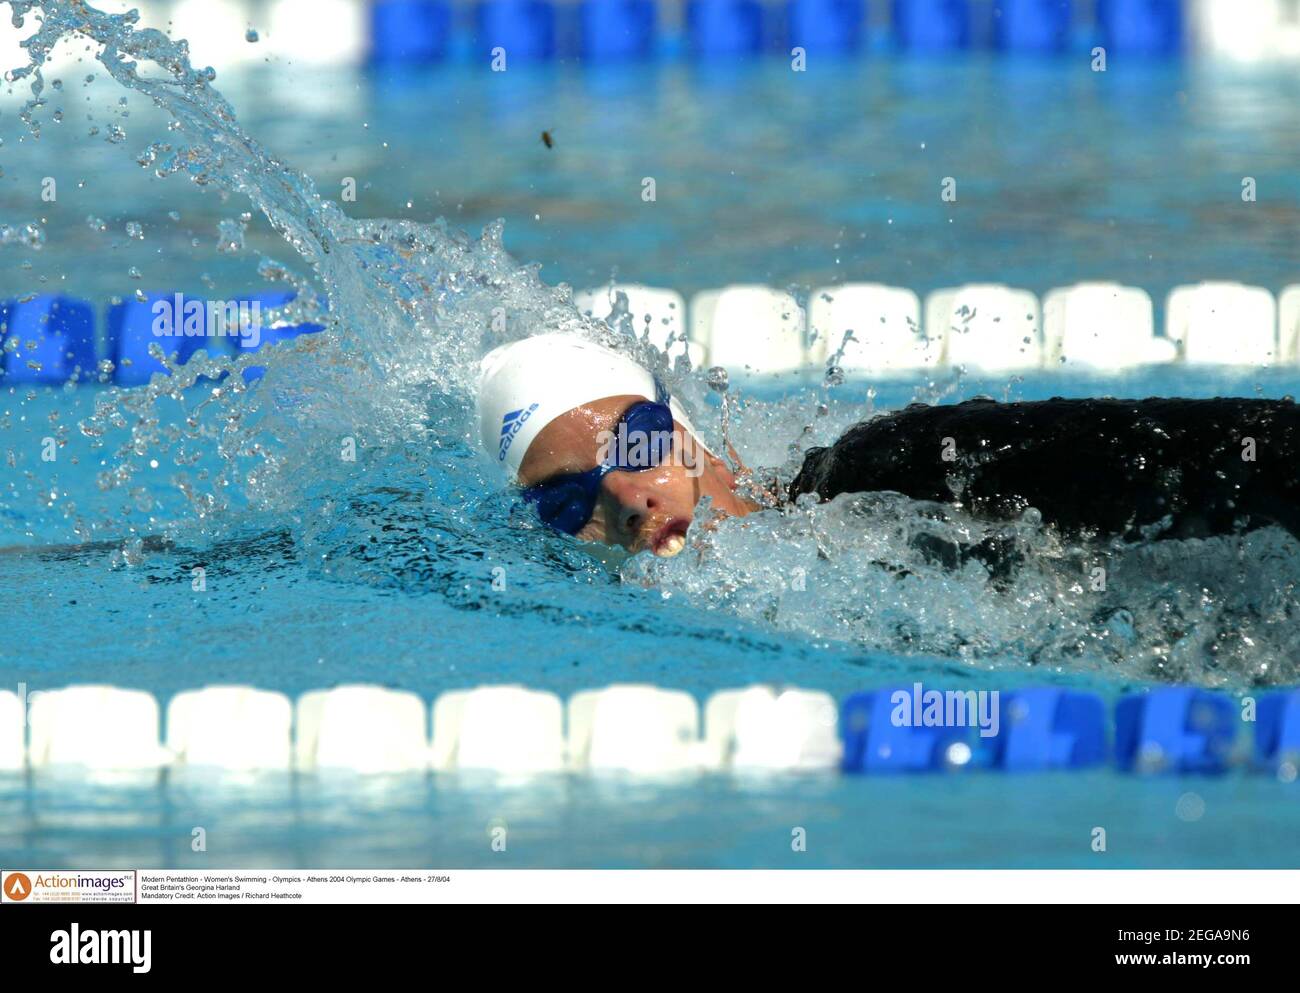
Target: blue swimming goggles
(567, 502)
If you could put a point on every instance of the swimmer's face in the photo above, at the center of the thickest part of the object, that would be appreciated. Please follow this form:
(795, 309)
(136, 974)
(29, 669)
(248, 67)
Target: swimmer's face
(651, 508)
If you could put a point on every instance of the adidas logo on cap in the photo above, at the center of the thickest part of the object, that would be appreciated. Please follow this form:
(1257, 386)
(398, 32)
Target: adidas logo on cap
(510, 426)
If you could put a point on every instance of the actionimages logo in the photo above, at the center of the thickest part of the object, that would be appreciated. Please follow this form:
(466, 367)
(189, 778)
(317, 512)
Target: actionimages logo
(81, 886)
(17, 886)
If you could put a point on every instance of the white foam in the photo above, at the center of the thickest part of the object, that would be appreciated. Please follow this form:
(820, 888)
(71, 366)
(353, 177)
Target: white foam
(861, 569)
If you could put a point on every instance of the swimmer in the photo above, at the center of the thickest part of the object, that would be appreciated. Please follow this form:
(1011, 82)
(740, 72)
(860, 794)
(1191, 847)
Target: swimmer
(554, 407)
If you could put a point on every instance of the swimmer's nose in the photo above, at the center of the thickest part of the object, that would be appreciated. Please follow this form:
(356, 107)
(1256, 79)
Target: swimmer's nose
(634, 493)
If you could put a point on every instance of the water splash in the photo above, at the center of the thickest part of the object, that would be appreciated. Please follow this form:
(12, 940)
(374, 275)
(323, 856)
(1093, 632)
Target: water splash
(886, 573)
(408, 308)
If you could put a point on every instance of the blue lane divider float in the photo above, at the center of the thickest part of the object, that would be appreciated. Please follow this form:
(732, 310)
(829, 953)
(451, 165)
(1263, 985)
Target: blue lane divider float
(524, 29)
(419, 32)
(1035, 26)
(1277, 731)
(929, 26)
(1175, 729)
(47, 339)
(1166, 730)
(409, 32)
(616, 29)
(825, 27)
(159, 318)
(184, 325)
(884, 732)
(1046, 728)
(724, 27)
(1141, 27)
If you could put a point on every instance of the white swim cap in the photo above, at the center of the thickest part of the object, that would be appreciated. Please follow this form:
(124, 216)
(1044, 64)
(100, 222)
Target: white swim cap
(525, 385)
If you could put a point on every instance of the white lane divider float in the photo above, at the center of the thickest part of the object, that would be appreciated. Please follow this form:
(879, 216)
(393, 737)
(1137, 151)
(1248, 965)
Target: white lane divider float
(658, 313)
(1102, 326)
(885, 322)
(1288, 325)
(98, 729)
(11, 732)
(633, 728)
(986, 327)
(367, 729)
(506, 729)
(750, 328)
(1223, 324)
(233, 728)
(761, 728)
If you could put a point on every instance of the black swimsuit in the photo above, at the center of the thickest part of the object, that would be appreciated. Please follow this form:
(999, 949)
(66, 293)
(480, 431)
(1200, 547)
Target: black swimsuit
(1127, 469)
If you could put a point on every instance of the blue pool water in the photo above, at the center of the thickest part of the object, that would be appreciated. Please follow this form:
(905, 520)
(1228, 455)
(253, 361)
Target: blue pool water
(322, 571)
(763, 175)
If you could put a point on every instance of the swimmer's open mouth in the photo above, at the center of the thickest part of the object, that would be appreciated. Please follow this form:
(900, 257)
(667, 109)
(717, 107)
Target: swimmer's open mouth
(671, 538)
